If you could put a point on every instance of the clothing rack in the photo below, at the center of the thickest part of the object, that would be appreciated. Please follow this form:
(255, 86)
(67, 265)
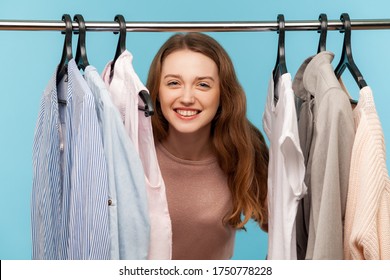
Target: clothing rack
(218, 26)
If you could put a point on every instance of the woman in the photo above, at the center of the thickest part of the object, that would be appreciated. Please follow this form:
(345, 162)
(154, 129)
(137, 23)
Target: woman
(213, 160)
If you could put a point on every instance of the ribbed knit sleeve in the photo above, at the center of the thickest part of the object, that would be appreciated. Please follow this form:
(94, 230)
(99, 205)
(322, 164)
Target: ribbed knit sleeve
(367, 220)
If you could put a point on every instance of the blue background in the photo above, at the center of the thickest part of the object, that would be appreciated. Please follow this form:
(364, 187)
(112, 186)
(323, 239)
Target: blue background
(28, 59)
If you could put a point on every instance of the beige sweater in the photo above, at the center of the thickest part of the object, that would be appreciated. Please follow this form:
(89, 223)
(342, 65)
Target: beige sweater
(367, 218)
(198, 199)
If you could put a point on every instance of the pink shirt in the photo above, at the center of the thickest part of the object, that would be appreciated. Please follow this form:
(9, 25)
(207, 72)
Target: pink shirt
(124, 88)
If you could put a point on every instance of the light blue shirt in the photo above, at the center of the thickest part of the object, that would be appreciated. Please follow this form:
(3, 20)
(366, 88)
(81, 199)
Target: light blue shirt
(69, 207)
(128, 210)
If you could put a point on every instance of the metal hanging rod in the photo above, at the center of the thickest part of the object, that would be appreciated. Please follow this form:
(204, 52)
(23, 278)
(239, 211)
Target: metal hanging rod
(218, 26)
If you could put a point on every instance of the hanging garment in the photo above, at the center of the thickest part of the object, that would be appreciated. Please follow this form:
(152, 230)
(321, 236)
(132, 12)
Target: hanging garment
(286, 169)
(304, 104)
(367, 217)
(128, 204)
(327, 145)
(69, 210)
(124, 87)
(198, 205)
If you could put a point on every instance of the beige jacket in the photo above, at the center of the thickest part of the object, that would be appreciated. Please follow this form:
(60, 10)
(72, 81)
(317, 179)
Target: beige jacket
(327, 134)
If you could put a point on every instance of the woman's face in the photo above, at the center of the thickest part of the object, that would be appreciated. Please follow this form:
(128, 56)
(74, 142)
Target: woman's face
(189, 91)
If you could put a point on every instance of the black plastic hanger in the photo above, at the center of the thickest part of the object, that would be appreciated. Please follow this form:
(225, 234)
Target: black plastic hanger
(148, 108)
(67, 55)
(323, 32)
(280, 66)
(346, 60)
(81, 53)
(121, 47)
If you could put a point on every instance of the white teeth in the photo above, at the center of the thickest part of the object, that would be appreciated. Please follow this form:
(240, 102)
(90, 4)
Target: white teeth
(187, 113)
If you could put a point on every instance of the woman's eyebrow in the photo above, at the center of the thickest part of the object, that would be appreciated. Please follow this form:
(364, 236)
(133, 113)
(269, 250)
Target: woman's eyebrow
(205, 77)
(173, 76)
(177, 76)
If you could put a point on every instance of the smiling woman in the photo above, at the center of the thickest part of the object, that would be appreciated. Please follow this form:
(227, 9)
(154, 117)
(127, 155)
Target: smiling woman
(213, 160)
(28, 59)
(189, 98)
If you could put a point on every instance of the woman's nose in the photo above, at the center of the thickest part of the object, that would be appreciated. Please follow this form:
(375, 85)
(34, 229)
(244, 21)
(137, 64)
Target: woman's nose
(187, 96)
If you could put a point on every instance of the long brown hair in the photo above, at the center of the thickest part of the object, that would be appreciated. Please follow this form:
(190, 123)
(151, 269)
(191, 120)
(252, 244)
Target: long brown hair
(240, 147)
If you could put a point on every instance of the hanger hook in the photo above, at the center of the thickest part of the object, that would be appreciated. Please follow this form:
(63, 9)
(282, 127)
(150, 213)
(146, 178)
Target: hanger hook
(346, 23)
(346, 60)
(281, 32)
(81, 53)
(67, 49)
(346, 54)
(68, 36)
(280, 65)
(121, 47)
(281, 24)
(280, 59)
(122, 34)
(80, 20)
(323, 32)
(347, 50)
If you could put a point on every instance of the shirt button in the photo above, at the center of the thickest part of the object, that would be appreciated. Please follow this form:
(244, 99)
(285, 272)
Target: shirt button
(109, 202)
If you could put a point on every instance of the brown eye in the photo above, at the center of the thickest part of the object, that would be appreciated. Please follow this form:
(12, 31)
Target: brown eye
(173, 83)
(204, 85)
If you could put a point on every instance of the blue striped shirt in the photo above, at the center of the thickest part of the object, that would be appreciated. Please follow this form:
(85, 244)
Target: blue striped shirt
(128, 210)
(69, 207)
